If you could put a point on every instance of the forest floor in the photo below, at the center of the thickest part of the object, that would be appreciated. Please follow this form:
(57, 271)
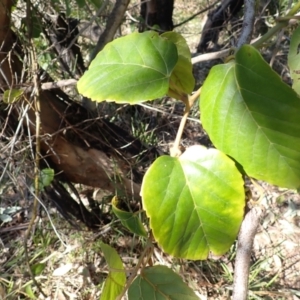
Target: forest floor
(67, 261)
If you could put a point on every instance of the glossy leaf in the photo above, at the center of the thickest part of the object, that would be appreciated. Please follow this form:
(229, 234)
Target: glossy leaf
(130, 220)
(116, 278)
(182, 80)
(251, 115)
(294, 59)
(195, 202)
(160, 283)
(131, 69)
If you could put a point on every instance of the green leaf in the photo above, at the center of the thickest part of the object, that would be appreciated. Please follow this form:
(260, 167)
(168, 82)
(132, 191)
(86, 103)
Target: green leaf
(97, 3)
(130, 220)
(11, 96)
(116, 279)
(80, 3)
(294, 59)
(195, 202)
(131, 69)
(251, 115)
(37, 269)
(5, 218)
(46, 177)
(160, 282)
(29, 292)
(182, 80)
(68, 8)
(11, 210)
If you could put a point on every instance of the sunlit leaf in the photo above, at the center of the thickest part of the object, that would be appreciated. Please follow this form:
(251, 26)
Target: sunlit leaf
(182, 80)
(116, 278)
(131, 69)
(195, 202)
(251, 115)
(29, 292)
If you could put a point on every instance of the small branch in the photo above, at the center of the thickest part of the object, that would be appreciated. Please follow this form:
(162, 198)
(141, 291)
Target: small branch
(188, 101)
(243, 254)
(58, 84)
(114, 21)
(136, 269)
(36, 97)
(248, 23)
(45, 86)
(88, 24)
(210, 56)
(286, 20)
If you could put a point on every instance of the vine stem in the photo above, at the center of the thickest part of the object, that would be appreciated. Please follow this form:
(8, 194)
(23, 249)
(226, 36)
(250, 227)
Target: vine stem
(283, 22)
(36, 98)
(243, 255)
(148, 247)
(248, 23)
(188, 101)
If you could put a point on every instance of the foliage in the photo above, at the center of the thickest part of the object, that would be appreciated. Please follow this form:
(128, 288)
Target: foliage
(159, 282)
(116, 279)
(264, 141)
(195, 200)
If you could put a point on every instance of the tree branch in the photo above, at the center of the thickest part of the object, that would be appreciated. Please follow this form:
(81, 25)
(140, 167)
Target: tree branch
(243, 254)
(248, 23)
(112, 25)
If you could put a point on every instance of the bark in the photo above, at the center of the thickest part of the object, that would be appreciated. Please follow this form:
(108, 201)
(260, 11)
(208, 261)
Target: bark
(157, 13)
(113, 23)
(63, 34)
(243, 254)
(216, 19)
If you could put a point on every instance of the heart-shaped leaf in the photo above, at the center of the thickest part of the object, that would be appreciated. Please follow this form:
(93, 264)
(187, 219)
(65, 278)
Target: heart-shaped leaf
(294, 59)
(116, 279)
(251, 115)
(182, 80)
(131, 69)
(160, 282)
(195, 202)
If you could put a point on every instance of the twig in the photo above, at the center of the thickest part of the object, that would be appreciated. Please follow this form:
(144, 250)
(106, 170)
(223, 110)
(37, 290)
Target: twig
(210, 56)
(286, 19)
(84, 28)
(243, 254)
(58, 84)
(36, 96)
(113, 23)
(148, 247)
(188, 101)
(248, 23)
